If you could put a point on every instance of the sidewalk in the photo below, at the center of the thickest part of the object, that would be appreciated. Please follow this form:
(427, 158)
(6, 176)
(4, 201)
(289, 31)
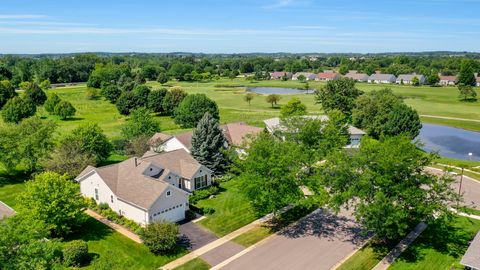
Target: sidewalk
(401, 247)
(120, 229)
(219, 242)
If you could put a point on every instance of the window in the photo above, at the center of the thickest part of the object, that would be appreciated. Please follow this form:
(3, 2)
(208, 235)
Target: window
(200, 182)
(169, 193)
(96, 194)
(111, 198)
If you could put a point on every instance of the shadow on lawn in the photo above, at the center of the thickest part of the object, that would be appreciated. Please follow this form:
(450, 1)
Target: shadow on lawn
(13, 178)
(91, 230)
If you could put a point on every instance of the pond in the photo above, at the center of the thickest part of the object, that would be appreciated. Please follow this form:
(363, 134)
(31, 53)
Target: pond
(450, 142)
(277, 90)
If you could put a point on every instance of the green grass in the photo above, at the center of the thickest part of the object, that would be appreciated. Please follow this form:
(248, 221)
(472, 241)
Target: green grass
(439, 248)
(367, 257)
(253, 236)
(195, 264)
(11, 186)
(232, 210)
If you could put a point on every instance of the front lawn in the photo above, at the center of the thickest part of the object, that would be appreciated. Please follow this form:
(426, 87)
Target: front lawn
(232, 209)
(367, 257)
(195, 264)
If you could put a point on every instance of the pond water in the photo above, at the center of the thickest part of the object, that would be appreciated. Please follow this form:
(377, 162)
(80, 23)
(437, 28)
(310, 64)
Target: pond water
(277, 90)
(450, 142)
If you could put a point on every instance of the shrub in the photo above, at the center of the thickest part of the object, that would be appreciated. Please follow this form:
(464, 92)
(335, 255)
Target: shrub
(203, 194)
(18, 108)
(51, 103)
(208, 210)
(193, 108)
(160, 237)
(91, 93)
(35, 93)
(75, 253)
(64, 109)
(103, 206)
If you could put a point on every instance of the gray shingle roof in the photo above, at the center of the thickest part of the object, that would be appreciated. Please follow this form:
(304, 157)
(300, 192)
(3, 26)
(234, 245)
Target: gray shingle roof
(382, 77)
(471, 258)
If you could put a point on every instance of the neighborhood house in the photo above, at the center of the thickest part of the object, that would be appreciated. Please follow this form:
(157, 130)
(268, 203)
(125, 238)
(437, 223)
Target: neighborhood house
(274, 125)
(327, 76)
(308, 76)
(151, 188)
(408, 78)
(448, 80)
(359, 77)
(280, 75)
(382, 78)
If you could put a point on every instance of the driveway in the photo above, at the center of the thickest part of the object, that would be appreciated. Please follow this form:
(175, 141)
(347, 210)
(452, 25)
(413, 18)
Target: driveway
(194, 236)
(318, 241)
(5, 210)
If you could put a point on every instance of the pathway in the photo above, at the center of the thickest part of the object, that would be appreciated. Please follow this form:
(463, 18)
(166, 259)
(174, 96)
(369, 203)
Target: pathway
(5, 210)
(318, 241)
(401, 247)
(450, 118)
(120, 229)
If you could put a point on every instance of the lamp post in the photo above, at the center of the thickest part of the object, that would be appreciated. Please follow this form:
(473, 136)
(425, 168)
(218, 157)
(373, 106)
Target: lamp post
(470, 154)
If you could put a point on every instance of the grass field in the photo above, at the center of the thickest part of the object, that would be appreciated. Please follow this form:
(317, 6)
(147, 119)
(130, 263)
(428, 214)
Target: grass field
(441, 101)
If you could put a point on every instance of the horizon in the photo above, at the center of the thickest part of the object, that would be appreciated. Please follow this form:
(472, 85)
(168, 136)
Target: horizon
(247, 26)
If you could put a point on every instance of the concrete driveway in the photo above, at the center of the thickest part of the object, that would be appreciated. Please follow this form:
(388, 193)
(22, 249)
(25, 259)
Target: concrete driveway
(318, 241)
(194, 236)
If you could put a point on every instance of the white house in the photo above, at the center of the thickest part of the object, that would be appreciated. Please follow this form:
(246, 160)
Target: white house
(308, 76)
(448, 80)
(152, 188)
(382, 78)
(408, 78)
(275, 124)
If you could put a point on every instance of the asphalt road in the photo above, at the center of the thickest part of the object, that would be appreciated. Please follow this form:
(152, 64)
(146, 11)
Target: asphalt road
(318, 242)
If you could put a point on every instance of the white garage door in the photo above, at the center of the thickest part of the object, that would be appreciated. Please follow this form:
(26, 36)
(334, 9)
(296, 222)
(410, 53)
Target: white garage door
(172, 214)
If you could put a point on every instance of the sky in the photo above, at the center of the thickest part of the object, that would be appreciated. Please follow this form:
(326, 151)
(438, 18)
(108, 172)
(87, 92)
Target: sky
(239, 26)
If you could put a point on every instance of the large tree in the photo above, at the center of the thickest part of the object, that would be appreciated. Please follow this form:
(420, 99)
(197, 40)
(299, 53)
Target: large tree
(64, 109)
(208, 144)
(387, 186)
(7, 91)
(68, 158)
(51, 103)
(269, 173)
(193, 108)
(172, 99)
(338, 95)
(54, 200)
(35, 93)
(91, 141)
(155, 100)
(294, 107)
(111, 92)
(18, 108)
(141, 123)
(273, 99)
(381, 113)
(466, 75)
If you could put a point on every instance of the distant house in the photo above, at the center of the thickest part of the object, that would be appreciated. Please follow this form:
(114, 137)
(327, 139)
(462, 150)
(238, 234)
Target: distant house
(308, 76)
(478, 81)
(408, 78)
(278, 75)
(152, 188)
(359, 77)
(382, 78)
(274, 125)
(327, 76)
(236, 135)
(471, 258)
(448, 80)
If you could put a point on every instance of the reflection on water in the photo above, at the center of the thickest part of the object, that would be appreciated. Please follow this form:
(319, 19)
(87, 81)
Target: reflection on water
(450, 142)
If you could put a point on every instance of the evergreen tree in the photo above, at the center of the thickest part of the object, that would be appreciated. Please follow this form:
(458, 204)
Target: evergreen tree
(466, 75)
(208, 144)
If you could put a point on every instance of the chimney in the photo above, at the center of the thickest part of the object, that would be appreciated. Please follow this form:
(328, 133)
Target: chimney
(136, 164)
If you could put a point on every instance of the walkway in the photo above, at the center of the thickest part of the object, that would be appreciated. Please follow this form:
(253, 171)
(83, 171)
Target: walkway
(5, 210)
(120, 229)
(318, 241)
(450, 118)
(401, 247)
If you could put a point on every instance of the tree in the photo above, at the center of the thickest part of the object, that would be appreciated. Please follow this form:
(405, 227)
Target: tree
(293, 108)
(269, 173)
(377, 113)
(18, 108)
(248, 97)
(415, 81)
(387, 186)
(55, 201)
(24, 144)
(141, 93)
(273, 99)
(36, 94)
(208, 144)
(45, 85)
(433, 79)
(137, 146)
(75, 253)
(7, 91)
(111, 92)
(64, 109)
(466, 92)
(466, 75)
(338, 95)
(155, 100)
(160, 237)
(91, 93)
(140, 123)
(126, 103)
(172, 100)
(302, 78)
(51, 103)
(162, 78)
(193, 108)
(69, 159)
(91, 141)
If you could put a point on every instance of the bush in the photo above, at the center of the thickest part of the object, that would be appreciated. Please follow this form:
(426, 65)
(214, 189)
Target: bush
(51, 103)
(91, 93)
(75, 253)
(64, 109)
(203, 194)
(103, 206)
(160, 237)
(18, 108)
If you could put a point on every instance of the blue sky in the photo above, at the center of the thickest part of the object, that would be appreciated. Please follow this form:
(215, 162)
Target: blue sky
(214, 26)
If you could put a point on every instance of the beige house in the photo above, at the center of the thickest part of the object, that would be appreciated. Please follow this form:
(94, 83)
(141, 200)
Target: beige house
(152, 188)
(448, 80)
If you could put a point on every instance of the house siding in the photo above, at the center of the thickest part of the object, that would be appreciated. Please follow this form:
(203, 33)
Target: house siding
(171, 145)
(173, 206)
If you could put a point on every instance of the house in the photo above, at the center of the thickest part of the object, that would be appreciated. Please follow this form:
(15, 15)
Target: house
(279, 75)
(308, 76)
(471, 258)
(408, 78)
(236, 135)
(151, 188)
(359, 77)
(274, 125)
(327, 76)
(448, 80)
(382, 78)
